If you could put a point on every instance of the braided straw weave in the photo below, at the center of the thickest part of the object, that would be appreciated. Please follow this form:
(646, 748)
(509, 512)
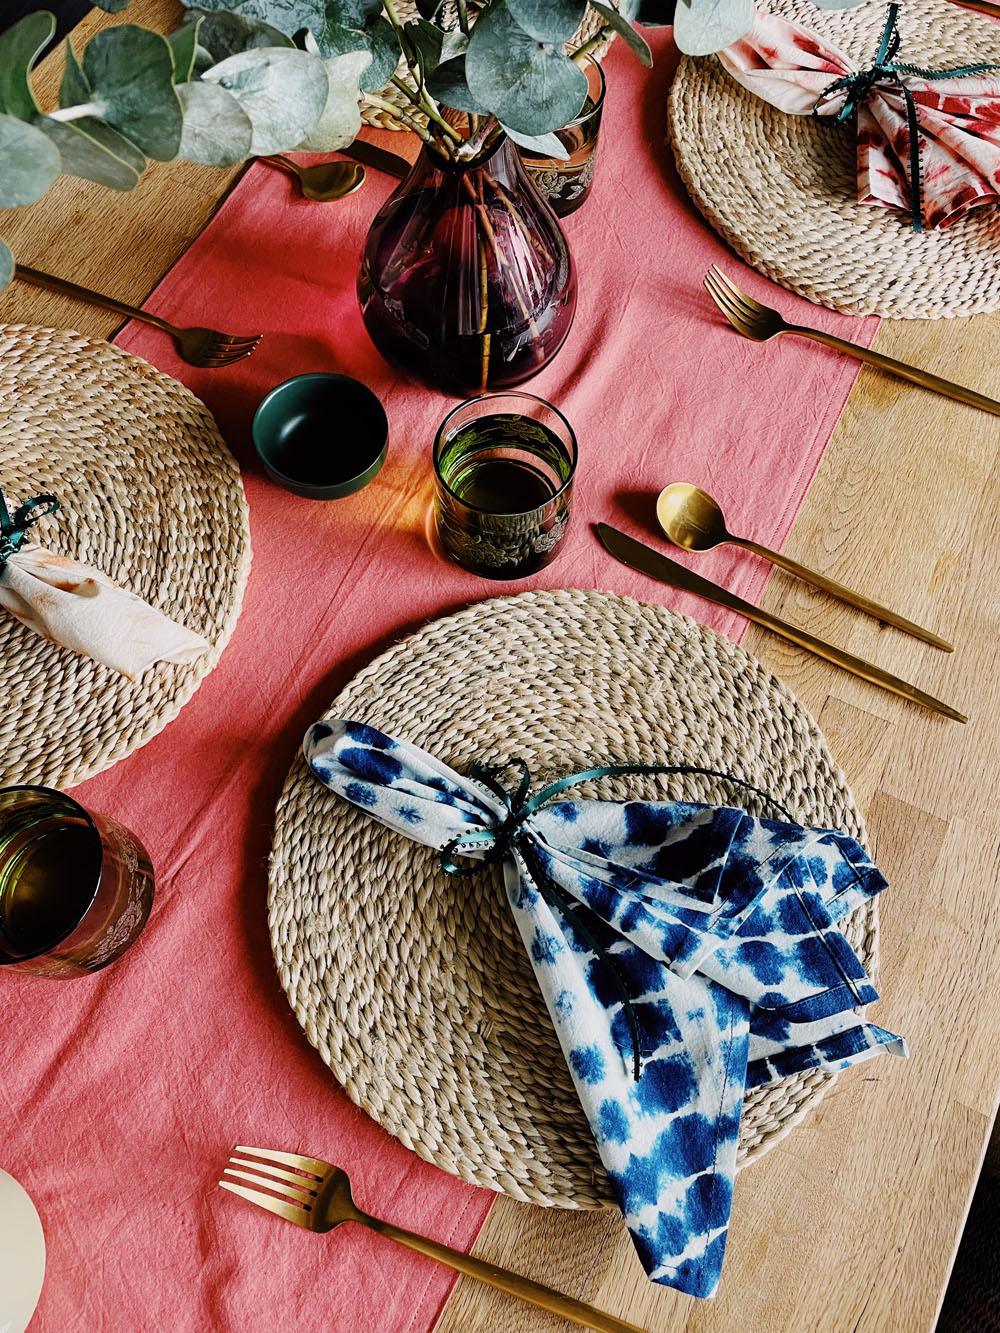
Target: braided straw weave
(414, 985)
(151, 497)
(407, 11)
(782, 189)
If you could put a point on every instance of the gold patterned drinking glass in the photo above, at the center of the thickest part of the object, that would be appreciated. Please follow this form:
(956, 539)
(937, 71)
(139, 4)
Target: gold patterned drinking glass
(75, 888)
(565, 185)
(503, 475)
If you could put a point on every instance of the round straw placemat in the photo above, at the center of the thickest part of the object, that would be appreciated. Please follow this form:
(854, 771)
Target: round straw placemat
(151, 497)
(414, 985)
(782, 189)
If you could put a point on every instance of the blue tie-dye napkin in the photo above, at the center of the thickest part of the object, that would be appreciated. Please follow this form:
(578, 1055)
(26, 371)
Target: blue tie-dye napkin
(711, 939)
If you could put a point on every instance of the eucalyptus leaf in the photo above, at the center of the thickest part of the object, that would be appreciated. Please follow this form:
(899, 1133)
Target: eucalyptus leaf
(203, 60)
(540, 145)
(334, 39)
(217, 131)
(288, 16)
(82, 154)
(618, 20)
(6, 265)
(20, 47)
(384, 47)
(283, 90)
(838, 4)
(548, 20)
(353, 13)
(224, 35)
(29, 162)
(531, 86)
(449, 86)
(112, 142)
(704, 26)
(131, 75)
(427, 40)
(341, 119)
(74, 89)
(183, 45)
(111, 6)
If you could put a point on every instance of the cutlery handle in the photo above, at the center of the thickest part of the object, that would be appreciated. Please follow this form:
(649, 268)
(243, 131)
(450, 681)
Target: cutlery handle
(512, 1283)
(901, 370)
(979, 7)
(856, 665)
(39, 279)
(838, 590)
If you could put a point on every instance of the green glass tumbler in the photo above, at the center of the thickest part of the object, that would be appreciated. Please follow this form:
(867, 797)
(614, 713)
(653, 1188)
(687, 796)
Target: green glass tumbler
(503, 479)
(75, 888)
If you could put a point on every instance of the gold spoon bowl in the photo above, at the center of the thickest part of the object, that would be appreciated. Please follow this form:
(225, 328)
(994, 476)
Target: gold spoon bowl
(323, 182)
(693, 520)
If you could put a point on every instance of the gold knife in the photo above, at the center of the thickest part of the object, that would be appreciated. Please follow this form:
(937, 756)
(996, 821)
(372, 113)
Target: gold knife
(658, 566)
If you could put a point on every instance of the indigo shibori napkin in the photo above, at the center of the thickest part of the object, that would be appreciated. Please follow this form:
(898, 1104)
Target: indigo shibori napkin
(685, 952)
(929, 138)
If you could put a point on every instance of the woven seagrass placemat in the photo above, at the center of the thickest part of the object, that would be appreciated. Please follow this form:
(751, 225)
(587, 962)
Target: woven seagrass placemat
(151, 497)
(414, 985)
(782, 189)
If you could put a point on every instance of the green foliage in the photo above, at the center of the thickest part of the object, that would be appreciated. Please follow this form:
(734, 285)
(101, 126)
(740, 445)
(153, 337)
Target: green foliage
(548, 20)
(249, 77)
(29, 162)
(6, 265)
(531, 85)
(282, 90)
(703, 26)
(131, 75)
(20, 47)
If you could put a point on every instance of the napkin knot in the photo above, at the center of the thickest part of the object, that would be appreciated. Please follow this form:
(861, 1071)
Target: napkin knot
(857, 88)
(14, 529)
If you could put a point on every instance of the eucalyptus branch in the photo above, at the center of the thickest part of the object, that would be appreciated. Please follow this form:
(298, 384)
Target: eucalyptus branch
(585, 49)
(424, 103)
(78, 112)
(384, 104)
(480, 139)
(463, 16)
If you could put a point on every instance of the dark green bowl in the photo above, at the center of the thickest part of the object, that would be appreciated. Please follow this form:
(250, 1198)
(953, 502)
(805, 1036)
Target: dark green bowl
(321, 436)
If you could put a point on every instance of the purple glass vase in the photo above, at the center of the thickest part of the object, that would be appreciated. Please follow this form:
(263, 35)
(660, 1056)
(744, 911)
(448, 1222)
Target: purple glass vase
(467, 282)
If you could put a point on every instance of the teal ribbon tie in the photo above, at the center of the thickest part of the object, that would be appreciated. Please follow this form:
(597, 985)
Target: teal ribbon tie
(13, 530)
(507, 836)
(857, 89)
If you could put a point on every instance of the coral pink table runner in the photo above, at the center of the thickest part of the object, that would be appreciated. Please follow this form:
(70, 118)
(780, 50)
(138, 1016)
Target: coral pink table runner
(124, 1093)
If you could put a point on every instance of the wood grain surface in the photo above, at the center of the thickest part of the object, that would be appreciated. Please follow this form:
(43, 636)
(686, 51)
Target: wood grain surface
(852, 1221)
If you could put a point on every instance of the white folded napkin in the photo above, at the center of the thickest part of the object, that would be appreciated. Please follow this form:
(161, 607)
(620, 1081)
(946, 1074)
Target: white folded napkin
(80, 608)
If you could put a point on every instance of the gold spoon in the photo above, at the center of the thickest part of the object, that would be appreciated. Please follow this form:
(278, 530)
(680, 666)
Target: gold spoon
(323, 182)
(693, 520)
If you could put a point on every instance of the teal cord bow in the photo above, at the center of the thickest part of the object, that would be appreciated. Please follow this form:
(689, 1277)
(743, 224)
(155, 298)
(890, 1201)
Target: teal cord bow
(506, 837)
(857, 89)
(14, 530)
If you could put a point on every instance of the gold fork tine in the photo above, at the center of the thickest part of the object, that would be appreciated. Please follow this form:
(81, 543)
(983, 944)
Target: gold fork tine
(754, 307)
(725, 305)
(290, 1212)
(310, 1164)
(276, 1173)
(284, 1190)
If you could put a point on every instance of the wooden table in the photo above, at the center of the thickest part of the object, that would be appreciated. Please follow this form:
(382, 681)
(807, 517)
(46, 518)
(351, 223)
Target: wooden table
(851, 1222)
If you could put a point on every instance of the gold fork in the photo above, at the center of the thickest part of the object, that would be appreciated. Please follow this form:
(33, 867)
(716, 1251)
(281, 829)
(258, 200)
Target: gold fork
(317, 1196)
(760, 322)
(198, 347)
